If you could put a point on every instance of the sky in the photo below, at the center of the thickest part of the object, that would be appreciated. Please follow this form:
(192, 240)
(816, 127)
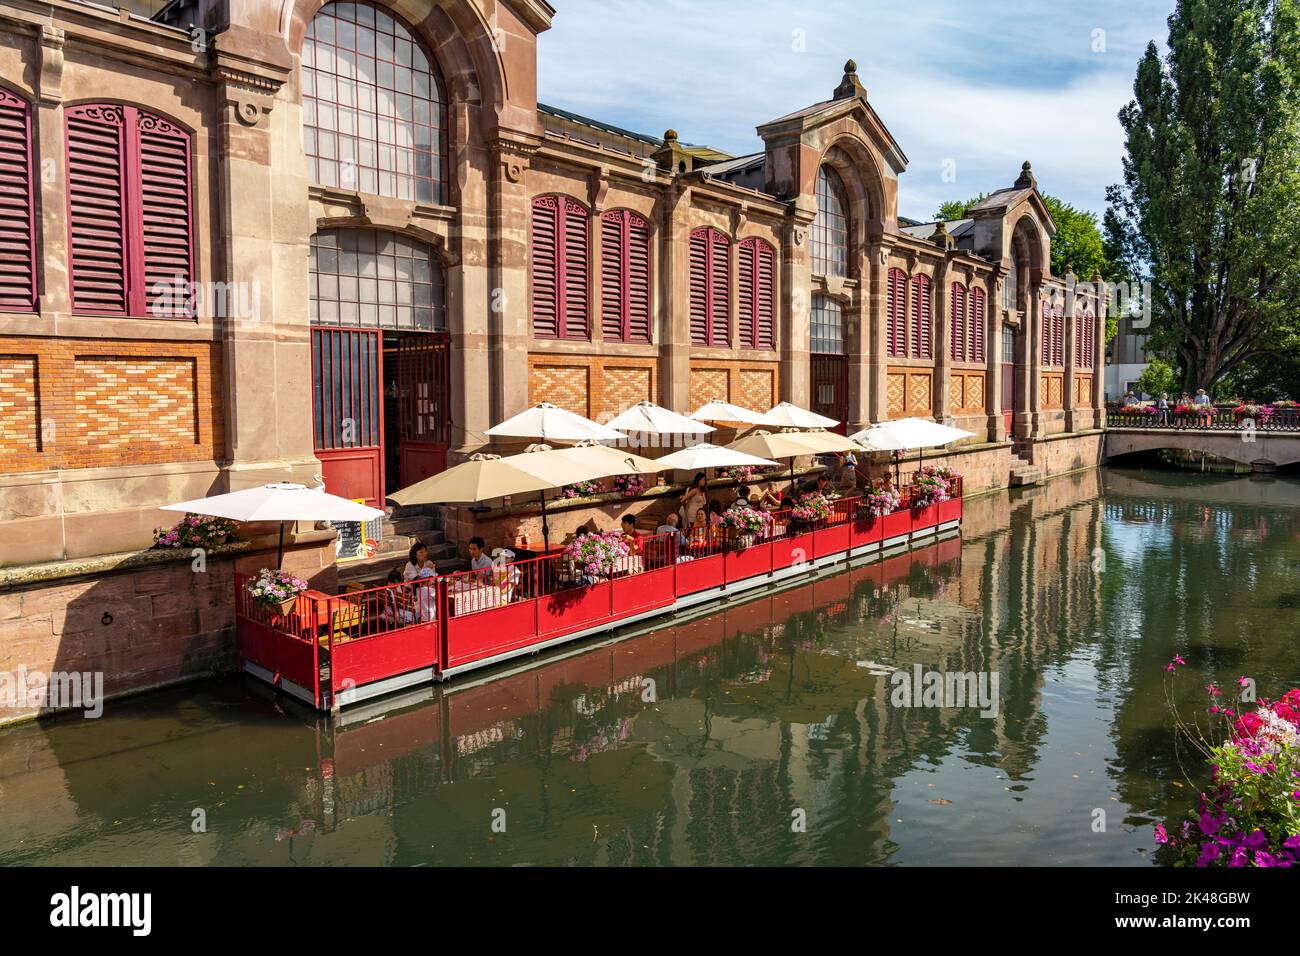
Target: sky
(970, 89)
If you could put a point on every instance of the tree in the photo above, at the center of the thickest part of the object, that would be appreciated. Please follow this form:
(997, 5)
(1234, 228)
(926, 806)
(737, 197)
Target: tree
(1208, 208)
(1158, 378)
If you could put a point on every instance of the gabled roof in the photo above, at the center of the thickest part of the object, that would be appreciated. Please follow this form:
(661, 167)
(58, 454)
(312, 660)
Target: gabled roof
(705, 153)
(957, 228)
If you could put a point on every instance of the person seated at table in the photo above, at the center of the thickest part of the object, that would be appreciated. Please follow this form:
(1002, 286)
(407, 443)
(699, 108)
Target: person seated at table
(820, 485)
(398, 607)
(698, 534)
(419, 567)
(771, 500)
(631, 536)
(715, 513)
(671, 531)
(479, 562)
(742, 498)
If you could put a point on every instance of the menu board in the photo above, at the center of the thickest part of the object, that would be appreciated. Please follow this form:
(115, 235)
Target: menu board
(357, 539)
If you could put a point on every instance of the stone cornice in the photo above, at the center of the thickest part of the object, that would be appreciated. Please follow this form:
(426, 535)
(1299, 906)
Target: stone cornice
(538, 14)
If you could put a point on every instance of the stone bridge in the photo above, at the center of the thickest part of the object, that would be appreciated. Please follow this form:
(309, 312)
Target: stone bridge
(1262, 450)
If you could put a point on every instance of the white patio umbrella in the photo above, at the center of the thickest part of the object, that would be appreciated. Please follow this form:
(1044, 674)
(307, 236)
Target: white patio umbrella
(282, 501)
(789, 415)
(649, 418)
(792, 445)
(704, 456)
(482, 477)
(551, 423)
(586, 462)
(904, 434)
(719, 411)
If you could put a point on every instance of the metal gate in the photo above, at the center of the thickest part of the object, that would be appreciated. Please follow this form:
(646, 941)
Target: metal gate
(423, 405)
(830, 388)
(347, 411)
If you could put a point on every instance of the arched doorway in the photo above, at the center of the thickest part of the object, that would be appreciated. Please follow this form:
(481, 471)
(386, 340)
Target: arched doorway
(829, 362)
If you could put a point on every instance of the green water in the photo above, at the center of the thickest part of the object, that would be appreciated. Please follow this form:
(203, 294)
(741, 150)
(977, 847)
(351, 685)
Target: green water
(763, 734)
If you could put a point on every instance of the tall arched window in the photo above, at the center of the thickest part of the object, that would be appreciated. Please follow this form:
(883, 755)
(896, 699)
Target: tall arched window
(560, 261)
(624, 277)
(17, 224)
(827, 326)
(958, 344)
(129, 212)
(757, 294)
(374, 110)
(830, 230)
(1010, 285)
(710, 288)
(896, 324)
(922, 346)
(371, 279)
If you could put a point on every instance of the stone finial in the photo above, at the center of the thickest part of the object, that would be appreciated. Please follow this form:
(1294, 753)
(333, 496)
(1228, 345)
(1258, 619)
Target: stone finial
(671, 156)
(850, 86)
(670, 136)
(1027, 179)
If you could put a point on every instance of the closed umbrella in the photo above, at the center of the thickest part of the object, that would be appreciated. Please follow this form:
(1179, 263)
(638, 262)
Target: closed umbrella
(788, 415)
(281, 501)
(551, 423)
(719, 411)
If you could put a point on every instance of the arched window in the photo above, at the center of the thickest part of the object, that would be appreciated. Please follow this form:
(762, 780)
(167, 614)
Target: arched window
(977, 322)
(374, 111)
(624, 277)
(922, 318)
(17, 224)
(129, 214)
(958, 345)
(1010, 293)
(896, 320)
(830, 230)
(827, 326)
(560, 268)
(757, 294)
(371, 279)
(710, 288)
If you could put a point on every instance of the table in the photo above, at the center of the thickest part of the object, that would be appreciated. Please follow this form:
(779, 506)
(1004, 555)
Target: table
(468, 598)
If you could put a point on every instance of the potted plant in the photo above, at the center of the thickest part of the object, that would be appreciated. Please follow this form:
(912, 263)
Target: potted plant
(195, 531)
(810, 507)
(746, 524)
(581, 489)
(927, 489)
(629, 486)
(882, 501)
(276, 590)
(595, 554)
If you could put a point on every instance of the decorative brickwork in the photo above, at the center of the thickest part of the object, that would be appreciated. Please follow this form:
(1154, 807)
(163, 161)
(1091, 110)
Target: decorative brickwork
(908, 392)
(708, 384)
(1051, 392)
(81, 403)
(749, 384)
(568, 386)
(591, 386)
(1082, 391)
(966, 392)
(757, 388)
(624, 387)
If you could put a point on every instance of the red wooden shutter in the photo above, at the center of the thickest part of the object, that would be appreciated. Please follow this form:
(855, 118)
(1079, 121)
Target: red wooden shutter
(97, 221)
(1047, 334)
(546, 269)
(756, 294)
(922, 346)
(957, 334)
(977, 324)
(625, 277)
(700, 287)
(720, 290)
(896, 331)
(1058, 336)
(1089, 338)
(17, 224)
(165, 243)
(576, 270)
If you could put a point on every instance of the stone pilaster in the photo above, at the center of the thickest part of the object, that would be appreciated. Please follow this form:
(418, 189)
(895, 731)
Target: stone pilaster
(875, 298)
(997, 425)
(1099, 351)
(796, 327)
(942, 386)
(47, 125)
(1029, 392)
(1070, 351)
(673, 308)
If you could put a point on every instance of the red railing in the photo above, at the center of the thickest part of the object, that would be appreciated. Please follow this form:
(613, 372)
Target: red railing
(472, 616)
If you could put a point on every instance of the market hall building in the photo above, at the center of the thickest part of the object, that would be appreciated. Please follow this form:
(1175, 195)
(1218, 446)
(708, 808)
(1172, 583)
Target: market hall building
(258, 241)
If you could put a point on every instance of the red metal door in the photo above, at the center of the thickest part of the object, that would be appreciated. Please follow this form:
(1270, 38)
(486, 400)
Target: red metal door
(423, 405)
(830, 388)
(346, 369)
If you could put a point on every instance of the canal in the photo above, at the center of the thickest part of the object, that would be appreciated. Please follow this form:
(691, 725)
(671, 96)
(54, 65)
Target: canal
(767, 733)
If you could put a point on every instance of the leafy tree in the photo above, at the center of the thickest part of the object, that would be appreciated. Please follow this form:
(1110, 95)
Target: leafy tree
(1210, 202)
(1159, 376)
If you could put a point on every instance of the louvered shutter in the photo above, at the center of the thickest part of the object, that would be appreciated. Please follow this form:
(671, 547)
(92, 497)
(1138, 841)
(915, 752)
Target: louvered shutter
(720, 290)
(1089, 338)
(745, 297)
(546, 311)
(921, 318)
(625, 277)
(97, 229)
(896, 331)
(1058, 336)
(957, 343)
(700, 287)
(764, 296)
(1047, 334)
(977, 320)
(576, 271)
(17, 230)
(163, 158)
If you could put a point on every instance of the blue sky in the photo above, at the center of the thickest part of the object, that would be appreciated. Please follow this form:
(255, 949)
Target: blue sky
(974, 88)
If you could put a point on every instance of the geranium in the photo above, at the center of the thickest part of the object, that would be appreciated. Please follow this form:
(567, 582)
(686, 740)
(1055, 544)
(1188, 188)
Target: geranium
(272, 588)
(741, 473)
(746, 521)
(597, 553)
(580, 489)
(195, 531)
(1250, 815)
(629, 486)
(811, 506)
(1137, 410)
(927, 488)
(883, 501)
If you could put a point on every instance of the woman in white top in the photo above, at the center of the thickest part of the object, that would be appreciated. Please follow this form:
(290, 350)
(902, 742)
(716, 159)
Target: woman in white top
(418, 566)
(693, 500)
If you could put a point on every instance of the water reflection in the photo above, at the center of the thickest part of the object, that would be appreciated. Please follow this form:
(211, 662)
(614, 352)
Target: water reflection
(710, 742)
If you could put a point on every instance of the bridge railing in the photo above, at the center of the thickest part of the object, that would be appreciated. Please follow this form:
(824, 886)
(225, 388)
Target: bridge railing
(1217, 418)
